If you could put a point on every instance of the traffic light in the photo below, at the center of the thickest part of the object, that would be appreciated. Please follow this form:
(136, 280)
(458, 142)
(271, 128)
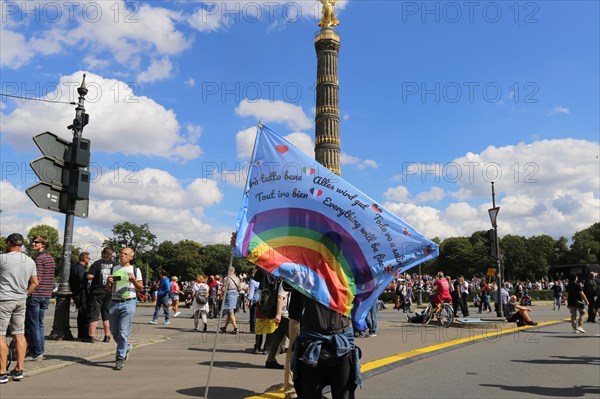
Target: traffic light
(64, 173)
(79, 182)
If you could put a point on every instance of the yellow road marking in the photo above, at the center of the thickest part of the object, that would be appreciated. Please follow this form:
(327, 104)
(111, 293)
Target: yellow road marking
(416, 352)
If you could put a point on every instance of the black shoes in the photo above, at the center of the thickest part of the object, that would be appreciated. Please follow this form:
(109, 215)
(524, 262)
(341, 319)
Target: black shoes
(91, 340)
(106, 339)
(205, 328)
(274, 365)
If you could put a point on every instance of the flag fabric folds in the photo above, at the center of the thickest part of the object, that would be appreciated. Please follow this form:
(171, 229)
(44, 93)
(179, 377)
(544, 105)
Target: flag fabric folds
(326, 238)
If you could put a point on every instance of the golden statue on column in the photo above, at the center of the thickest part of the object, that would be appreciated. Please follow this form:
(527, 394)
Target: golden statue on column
(329, 18)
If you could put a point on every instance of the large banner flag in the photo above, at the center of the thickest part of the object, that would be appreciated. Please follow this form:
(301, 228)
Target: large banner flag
(310, 227)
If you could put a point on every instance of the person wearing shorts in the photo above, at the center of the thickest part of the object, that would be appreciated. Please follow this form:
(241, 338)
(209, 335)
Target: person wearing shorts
(100, 295)
(18, 279)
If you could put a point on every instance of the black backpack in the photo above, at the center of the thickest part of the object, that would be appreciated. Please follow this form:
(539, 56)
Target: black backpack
(267, 303)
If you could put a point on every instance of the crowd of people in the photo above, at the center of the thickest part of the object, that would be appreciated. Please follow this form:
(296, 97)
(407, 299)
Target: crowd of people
(318, 342)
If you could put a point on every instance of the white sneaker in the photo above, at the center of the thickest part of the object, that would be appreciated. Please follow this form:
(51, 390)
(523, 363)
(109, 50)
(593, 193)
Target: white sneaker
(176, 314)
(152, 322)
(575, 332)
(581, 330)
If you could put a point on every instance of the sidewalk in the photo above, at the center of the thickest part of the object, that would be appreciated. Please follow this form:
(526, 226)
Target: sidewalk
(61, 354)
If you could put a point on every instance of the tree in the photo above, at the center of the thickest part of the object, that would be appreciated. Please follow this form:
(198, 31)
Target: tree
(181, 259)
(515, 255)
(586, 245)
(215, 258)
(455, 256)
(139, 238)
(540, 251)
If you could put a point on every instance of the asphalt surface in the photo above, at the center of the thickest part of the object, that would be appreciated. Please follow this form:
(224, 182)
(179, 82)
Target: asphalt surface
(174, 361)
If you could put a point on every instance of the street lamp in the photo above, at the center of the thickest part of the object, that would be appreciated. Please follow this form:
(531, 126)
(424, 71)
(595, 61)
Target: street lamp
(496, 250)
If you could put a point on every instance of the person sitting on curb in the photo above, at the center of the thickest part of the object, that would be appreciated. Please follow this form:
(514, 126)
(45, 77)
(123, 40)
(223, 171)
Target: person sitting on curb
(516, 313)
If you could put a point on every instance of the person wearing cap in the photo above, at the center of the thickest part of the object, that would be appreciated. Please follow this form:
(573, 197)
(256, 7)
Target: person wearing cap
(38, 301)
(18, 278)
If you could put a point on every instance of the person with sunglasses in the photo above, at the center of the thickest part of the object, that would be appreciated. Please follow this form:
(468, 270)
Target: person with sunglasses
(39, 300)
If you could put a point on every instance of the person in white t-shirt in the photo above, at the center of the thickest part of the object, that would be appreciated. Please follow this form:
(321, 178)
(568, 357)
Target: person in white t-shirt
(125, 281)
(18, 279)
(200, 302)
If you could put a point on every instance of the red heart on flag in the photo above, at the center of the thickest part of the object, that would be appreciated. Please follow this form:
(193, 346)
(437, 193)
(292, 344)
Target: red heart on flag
(316, 192)
(281, 148)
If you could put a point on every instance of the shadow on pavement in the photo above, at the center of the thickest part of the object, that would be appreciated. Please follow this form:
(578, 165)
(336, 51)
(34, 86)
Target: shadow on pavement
(217, 392)
(232, 365)
(566, 392)
(564, 360)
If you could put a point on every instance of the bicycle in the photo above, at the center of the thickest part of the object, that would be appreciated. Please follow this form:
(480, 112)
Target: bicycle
(443, 312)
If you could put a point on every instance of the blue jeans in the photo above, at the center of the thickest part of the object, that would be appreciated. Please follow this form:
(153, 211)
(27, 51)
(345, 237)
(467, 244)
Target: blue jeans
(34, 324)
(372, 318)
(556, 302)
(120, 316)
(161, 300)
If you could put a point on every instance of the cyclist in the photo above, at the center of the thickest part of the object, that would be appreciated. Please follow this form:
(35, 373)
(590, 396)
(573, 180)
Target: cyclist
(441, 291)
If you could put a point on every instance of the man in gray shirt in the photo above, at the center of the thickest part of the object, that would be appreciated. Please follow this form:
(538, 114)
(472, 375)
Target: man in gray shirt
(18, 278)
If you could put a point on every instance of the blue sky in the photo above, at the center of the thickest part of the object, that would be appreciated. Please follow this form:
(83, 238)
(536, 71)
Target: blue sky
(437, 99)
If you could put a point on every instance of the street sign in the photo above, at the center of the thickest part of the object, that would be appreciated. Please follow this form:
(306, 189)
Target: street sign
(52, 146)
(48, 170)
(47, 196)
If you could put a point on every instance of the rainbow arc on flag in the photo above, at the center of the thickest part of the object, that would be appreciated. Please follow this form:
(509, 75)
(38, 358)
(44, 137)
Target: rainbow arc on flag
(326, 238)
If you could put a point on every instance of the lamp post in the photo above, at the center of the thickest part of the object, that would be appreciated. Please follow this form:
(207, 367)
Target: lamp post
(496, 250)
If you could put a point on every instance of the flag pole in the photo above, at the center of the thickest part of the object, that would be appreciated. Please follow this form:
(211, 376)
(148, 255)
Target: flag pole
(226, 282)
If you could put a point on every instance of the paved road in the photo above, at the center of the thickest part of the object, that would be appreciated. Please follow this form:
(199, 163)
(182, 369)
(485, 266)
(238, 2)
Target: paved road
(545, 362)
(172, 361)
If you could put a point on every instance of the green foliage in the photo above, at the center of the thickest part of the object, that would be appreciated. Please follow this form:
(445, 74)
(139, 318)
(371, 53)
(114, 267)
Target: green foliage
(139, 238)
(586, 246)
(181, 259)
(523, 258)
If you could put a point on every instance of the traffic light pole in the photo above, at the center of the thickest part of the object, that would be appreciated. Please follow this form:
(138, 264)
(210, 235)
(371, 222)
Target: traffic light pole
(500, 310)
(61, 329)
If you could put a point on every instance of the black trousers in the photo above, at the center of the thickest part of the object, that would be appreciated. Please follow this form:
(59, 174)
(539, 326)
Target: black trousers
(311, 381)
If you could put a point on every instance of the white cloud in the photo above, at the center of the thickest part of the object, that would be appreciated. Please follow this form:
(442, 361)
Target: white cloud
(115, 113)
(303, 141)
(14, 49)
(398, 193)
(209, 19)
(94, 63)
(158, 70)
(244, 142)
(190, 82)
(559, 109)
(435, 194)
(545, 187)
(275, 111)
(128, 31)
(155, 197)
(347, 159)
